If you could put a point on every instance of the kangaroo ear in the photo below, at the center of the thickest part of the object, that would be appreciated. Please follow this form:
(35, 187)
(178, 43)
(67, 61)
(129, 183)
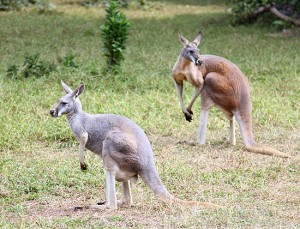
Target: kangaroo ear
(198, 38)
(183, 40)
(78, 91)
(66, 88)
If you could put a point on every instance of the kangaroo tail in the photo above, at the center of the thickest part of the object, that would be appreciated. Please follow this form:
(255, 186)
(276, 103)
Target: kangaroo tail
(245, 123)
(152, 179)
(255, 148)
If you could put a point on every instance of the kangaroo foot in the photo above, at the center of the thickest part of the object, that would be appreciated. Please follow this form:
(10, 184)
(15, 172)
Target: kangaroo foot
(190, 143)
(123, 202)
(78, 208)
(101, 203)
(83, 166)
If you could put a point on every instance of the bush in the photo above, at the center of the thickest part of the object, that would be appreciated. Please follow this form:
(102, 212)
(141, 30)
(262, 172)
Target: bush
(12, 71)
(68, 61)
(114, 34)
(247, 11)
(15, 4)
(33, 66)
(43, 5)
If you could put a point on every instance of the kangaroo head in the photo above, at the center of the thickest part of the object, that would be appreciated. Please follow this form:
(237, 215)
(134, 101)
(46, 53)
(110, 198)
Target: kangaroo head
(190, 50)
(69, 103)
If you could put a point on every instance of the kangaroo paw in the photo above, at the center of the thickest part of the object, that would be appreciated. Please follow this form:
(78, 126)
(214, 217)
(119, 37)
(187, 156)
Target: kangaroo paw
(188, 116)
(190, 111)
(83, 166)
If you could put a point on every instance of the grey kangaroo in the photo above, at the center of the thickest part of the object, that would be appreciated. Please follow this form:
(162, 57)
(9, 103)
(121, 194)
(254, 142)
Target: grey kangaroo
(123, 146)
(220, 83)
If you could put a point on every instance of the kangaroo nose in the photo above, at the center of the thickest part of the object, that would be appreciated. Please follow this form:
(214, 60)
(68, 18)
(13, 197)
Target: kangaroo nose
(52, 112)
(199, 62)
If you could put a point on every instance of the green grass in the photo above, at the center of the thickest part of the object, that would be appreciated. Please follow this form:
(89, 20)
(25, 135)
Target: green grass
(40, 179)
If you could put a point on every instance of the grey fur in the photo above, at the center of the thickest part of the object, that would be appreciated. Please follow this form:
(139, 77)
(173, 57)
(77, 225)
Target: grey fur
(122, 144)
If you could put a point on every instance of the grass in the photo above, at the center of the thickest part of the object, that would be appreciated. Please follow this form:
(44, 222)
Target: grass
(40, 179)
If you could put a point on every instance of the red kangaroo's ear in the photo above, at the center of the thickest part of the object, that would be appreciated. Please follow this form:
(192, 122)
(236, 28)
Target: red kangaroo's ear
(198, 39)
(183, 40)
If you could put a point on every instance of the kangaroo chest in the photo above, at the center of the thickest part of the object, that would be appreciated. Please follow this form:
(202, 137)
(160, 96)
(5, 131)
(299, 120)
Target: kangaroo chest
(188, 71)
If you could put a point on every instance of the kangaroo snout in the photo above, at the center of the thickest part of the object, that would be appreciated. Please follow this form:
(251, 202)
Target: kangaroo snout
(53, 113)
(199, 62)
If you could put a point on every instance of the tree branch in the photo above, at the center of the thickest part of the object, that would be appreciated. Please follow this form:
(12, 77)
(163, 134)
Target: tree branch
(270, 8)
(284, 17)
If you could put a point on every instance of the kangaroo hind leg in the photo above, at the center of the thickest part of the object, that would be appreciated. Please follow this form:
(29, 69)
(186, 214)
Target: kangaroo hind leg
(111, 198)
(127, 197)
(232, 137)
(206, 105)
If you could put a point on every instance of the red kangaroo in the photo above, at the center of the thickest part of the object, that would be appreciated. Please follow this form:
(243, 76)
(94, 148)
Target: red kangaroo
(222, 84)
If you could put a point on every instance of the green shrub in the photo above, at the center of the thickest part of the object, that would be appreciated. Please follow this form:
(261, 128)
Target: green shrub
(15, 4)
(43, 5)
(247, 11)
(114, 34)
(33, 66)
(12, 71)
(68, 61)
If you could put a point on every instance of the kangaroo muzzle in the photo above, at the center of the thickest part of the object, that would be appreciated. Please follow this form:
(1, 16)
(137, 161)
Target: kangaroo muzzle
(53, 113)
(198, 62)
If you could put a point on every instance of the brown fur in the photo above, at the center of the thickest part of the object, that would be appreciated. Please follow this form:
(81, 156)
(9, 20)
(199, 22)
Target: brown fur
(223, 85)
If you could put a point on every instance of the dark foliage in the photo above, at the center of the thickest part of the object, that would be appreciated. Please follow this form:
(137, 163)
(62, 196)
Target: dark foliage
(248, 11)
(15, 4)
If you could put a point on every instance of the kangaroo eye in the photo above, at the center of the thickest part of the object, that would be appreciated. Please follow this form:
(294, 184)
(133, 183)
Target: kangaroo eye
(64, 103)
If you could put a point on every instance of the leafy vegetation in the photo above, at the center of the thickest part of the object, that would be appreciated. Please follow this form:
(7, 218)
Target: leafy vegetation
(114, 33)
(40, 176)
(247, 11)
(7, 5)
(34, 66)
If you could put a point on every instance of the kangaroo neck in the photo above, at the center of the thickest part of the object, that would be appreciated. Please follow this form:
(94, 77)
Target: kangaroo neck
(75, 120)
(187, 65)
(73, 116)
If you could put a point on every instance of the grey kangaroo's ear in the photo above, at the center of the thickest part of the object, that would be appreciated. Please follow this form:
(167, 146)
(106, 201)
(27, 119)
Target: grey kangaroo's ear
(78, 91)
(183, 40)
(198, 39)
(66, 88)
